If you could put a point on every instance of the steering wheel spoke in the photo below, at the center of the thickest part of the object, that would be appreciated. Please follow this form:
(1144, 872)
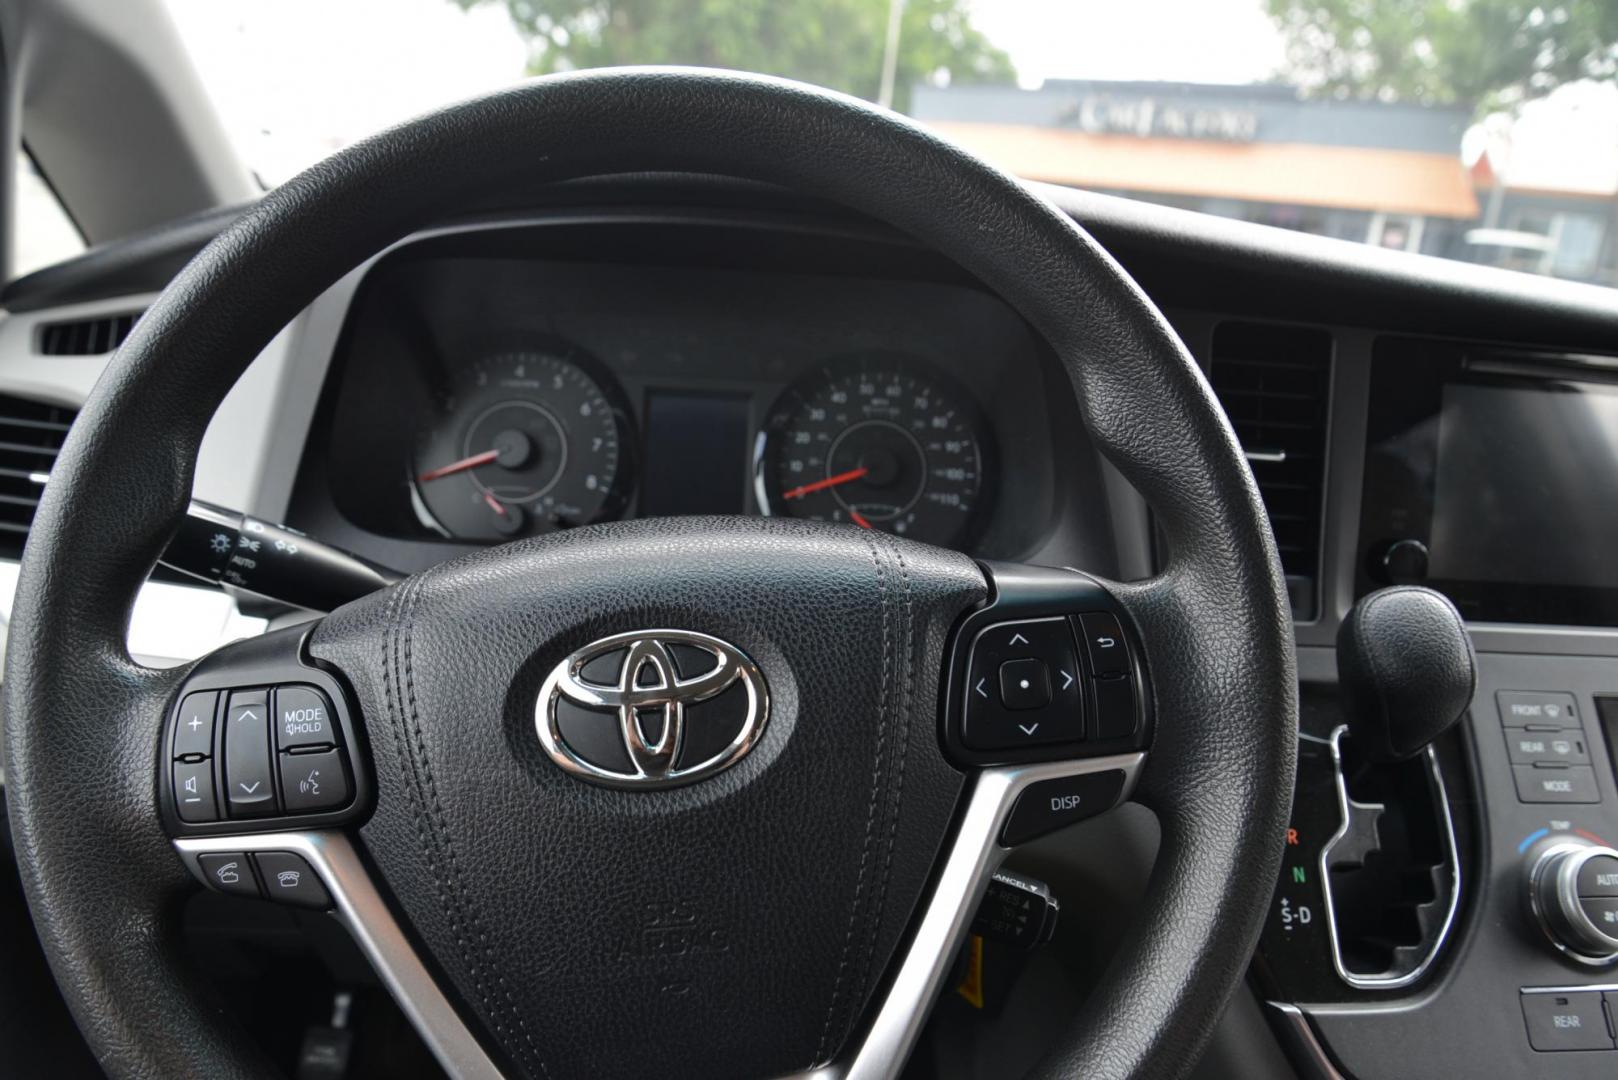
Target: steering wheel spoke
(999, 797)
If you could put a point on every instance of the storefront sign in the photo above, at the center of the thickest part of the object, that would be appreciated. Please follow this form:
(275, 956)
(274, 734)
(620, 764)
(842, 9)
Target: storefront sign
(1146, 117)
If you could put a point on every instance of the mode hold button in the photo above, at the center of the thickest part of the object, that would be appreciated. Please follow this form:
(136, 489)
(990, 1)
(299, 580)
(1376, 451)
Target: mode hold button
(303, 717)
(1050, 804)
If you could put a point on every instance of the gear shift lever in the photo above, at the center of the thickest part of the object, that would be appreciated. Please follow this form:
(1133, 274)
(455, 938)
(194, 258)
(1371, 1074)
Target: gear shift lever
(1406, 671)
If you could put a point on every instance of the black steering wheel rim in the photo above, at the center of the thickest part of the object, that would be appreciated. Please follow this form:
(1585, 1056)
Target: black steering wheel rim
(83, 719)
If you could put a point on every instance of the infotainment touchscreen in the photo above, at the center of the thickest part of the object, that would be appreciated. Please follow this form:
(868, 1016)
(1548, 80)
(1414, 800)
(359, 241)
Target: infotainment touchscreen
(1493, 477)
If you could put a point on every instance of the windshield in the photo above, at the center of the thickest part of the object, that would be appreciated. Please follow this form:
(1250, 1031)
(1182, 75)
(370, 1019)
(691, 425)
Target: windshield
(1481, 130)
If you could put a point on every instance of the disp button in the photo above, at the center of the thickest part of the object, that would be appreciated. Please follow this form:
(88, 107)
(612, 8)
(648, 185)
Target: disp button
(1051, 804)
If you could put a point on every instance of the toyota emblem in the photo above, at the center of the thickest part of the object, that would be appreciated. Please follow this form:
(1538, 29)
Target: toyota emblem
(651, 709)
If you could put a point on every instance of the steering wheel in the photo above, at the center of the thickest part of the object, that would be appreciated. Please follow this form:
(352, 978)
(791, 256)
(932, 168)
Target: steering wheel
(792, 901)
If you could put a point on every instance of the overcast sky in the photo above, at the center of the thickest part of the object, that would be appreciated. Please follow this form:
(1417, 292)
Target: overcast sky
(296, 79)
(1228, 41)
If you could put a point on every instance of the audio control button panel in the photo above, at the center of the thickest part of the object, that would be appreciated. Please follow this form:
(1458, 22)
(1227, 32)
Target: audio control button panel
(260, 739)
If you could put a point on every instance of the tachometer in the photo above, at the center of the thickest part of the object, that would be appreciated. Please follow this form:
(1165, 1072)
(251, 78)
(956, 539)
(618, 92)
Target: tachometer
(883, 442)
(531, 442)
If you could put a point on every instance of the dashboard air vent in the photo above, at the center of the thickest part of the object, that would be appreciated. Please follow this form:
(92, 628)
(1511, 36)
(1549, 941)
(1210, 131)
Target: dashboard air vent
(86, 337)
(1275, 385)
(31, 435)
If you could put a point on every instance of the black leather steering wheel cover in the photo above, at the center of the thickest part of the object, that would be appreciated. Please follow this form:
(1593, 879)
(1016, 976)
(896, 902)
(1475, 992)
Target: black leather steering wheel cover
(1215, 624)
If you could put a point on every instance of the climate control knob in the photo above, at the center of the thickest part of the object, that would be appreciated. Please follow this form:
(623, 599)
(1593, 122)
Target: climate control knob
(1573, 891)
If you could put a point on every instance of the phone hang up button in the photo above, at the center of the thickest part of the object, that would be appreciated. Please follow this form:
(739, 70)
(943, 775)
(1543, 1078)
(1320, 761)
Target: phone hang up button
(288, 879)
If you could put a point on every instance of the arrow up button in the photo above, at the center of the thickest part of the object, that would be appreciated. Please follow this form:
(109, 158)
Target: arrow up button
(249, 784)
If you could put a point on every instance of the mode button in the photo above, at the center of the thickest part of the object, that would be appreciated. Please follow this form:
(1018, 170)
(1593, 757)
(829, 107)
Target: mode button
(303, 717)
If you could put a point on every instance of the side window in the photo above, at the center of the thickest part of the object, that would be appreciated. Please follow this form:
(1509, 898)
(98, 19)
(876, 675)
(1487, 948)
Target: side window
(45, 234)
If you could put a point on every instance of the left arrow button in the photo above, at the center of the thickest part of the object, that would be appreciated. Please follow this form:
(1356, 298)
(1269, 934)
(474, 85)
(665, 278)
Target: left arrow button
(249, 787)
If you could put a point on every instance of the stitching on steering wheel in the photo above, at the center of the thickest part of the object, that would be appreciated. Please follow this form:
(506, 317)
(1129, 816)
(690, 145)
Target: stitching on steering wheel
(871, 809)
(904, 685)
(452, 863)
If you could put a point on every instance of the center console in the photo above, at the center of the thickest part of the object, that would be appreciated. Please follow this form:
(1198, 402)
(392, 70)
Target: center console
(1456, 913)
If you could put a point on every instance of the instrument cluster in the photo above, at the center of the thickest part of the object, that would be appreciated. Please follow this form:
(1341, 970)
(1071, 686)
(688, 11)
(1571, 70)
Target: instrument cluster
(535, 440)
(473, 401)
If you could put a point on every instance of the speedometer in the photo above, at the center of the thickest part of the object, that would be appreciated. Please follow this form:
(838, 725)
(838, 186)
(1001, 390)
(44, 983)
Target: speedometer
(883, 442)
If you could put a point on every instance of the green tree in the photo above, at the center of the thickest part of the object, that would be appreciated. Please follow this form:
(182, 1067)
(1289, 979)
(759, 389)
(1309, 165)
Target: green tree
(835, 43)
(1484, 54)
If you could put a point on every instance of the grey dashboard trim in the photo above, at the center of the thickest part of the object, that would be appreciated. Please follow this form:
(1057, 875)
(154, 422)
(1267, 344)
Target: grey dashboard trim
(233, 464)
(974, 853)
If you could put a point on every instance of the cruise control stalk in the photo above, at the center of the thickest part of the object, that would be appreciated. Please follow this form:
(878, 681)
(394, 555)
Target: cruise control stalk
(243, 553)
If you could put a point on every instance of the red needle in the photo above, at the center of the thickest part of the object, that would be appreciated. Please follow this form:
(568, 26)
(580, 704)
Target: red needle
(821, 485)
(462, 465)
(494, 504)
(859, 518)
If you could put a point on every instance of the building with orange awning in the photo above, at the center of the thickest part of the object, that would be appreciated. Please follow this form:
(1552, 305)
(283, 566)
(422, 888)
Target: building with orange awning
(1374, 172)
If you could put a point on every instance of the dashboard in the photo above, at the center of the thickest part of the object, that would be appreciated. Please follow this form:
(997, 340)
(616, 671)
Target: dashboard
(657, 346)
(493, 384)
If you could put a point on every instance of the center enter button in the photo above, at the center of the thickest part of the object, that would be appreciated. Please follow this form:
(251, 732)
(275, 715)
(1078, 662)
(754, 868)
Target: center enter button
(1025, 684)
